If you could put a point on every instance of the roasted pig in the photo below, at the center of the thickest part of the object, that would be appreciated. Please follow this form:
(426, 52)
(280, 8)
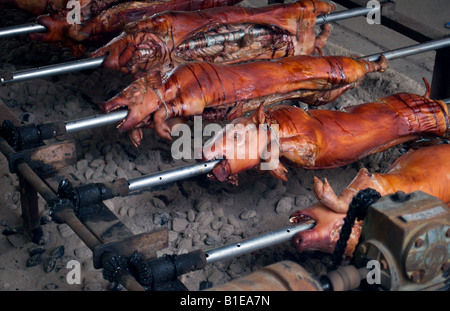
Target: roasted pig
(426, 169)
(194, 87)
(99, 25)
(235, 34)
(323, 139)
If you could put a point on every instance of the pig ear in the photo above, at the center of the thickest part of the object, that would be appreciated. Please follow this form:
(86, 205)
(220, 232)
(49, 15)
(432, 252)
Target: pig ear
(259, 117)
(326, 195)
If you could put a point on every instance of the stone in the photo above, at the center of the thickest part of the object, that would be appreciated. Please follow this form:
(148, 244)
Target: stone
(185, 243)
(88, 173)
(191, 215)
(213, 240)
(247, 214)
(226, 230)
(98, 172)
(158, 203)
(111, 167)
(34, 260)
(204, 218)
(179, 224)
(97, 162)
(161, 218)
(218, 212)
(202, 205)
(216, 225)
(82, 165)
(284, 205)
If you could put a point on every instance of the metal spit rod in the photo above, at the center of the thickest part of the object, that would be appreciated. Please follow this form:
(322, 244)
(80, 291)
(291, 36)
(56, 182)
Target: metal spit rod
(52, 70)
(265, 240)
(21, 30)
(112, 117)
(95, 121)
(92, 63)
(35, 27)
(172, 175)
(208, 41)
(411, 50)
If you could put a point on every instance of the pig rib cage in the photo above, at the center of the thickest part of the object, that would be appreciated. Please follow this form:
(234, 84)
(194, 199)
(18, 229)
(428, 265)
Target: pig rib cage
(66, 198)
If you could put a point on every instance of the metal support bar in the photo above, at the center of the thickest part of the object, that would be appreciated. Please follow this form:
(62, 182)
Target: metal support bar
(30, 210)
(168, 267)
(95, 121)
(333, 17)
(440, 85)
(172, 175)
(398, 22)
(34, 27)
(411, 50)
(21, 30)
(96, 62)
(52, 70)
(246, 246)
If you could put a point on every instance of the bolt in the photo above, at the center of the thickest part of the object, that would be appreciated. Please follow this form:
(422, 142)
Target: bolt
(419, 243)
(399, 196)
(362, 249)
(415, 276)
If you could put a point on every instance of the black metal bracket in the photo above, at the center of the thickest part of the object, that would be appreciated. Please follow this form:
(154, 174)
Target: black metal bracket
(29, 136)
(154, 272)
(91, 194)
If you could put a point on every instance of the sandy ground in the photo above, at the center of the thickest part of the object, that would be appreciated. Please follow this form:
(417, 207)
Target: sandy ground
(200, 214)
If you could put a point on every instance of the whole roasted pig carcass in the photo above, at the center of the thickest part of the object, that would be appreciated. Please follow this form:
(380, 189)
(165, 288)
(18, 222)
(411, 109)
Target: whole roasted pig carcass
(323, 139)
(426, 169)
(97, 26)
(235, 34)
(194, 87)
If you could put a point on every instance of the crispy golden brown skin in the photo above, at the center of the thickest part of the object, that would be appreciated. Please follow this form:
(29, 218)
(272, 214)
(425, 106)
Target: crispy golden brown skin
(323, 139)
(193, 87)
(101, 20)
(426, 169)
(155, 44)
